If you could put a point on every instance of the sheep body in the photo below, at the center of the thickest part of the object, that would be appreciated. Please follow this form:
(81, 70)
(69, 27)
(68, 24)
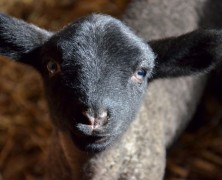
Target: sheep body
(167, 107)
(159, 19)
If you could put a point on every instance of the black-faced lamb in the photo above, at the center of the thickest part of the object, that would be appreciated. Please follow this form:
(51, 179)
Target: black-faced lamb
(96, 72)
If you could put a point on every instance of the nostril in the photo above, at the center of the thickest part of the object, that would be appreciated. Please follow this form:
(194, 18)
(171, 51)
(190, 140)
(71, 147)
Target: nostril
(103, 115)
(90, 118)
(96, 120)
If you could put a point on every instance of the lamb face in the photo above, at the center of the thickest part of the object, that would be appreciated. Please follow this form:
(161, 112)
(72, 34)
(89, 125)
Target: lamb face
(96, 70)
(95, 73)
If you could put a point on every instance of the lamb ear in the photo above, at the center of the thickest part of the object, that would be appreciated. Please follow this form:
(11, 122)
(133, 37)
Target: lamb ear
(18, 38)
(196, 52)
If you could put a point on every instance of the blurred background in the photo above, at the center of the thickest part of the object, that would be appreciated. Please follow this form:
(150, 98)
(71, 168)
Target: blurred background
(24, 120)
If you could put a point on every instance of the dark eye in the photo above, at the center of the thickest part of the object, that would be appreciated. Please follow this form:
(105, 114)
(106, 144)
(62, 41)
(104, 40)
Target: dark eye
(139, 75)
(53, 67)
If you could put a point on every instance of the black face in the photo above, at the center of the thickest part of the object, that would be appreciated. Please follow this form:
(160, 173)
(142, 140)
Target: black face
(95, 73)
(96, 70)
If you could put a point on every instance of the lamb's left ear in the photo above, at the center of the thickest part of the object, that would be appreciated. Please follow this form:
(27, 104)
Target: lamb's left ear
(18, 38)
(196, 52)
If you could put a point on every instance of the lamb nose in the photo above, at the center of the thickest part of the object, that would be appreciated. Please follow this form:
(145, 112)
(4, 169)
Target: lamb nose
(96, 121)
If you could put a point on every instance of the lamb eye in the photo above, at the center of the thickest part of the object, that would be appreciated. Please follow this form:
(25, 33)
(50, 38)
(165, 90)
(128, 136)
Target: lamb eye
(139, 75)
(53, 67)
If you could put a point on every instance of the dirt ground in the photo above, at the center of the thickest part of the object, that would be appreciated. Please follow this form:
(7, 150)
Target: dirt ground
(24, 120)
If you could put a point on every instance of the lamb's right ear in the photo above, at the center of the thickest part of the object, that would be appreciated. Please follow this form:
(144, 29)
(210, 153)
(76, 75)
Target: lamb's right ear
(18, 38)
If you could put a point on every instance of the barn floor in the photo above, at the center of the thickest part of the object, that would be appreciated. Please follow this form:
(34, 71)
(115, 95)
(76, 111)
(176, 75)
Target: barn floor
(24, 120)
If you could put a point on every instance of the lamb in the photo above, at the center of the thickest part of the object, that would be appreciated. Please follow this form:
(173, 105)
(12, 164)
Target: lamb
(96, 72)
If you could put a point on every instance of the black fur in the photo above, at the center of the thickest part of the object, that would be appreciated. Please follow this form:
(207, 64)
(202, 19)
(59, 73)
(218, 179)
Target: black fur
(192, 53)
(18, 37)
(99, 57)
